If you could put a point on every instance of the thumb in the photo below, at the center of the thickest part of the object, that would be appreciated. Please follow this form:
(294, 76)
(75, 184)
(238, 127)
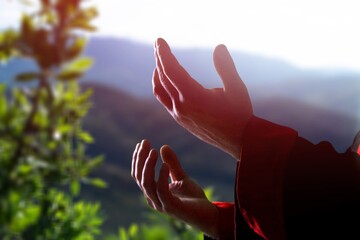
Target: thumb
(226, 69)
(177, 173)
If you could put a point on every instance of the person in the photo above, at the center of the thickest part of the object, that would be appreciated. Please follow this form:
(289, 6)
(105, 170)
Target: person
(286, 187)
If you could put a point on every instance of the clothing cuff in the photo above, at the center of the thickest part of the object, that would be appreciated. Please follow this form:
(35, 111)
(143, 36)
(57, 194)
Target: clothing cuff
(226, 220)
(260, 177)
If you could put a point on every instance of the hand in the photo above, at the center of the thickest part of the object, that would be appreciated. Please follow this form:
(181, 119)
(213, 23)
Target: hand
(182, 198)
(217, 116)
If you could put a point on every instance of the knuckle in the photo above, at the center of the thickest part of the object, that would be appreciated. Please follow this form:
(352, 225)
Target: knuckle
(177, 112)
(166, 207)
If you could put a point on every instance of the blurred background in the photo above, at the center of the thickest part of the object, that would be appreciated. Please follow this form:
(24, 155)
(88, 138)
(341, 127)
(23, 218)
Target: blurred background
(299, 59)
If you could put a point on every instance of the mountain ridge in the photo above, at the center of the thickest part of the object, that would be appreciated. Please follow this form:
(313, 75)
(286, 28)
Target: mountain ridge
(128, 65)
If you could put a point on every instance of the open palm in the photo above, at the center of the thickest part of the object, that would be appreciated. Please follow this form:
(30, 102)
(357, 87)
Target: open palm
(217, 116)
(182, 198)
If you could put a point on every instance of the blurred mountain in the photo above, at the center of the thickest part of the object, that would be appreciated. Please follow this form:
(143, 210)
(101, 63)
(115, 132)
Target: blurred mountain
(129, 65)
(118, 120)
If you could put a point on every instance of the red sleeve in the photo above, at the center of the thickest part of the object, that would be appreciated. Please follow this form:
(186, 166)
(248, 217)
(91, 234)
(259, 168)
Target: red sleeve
(226, 219)
(288, 187)
(322, 191)
(260, 176)
(259, 180)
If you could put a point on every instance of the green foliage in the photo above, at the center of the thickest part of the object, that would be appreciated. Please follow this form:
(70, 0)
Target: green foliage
(160, 227)
(43, 160)
(7, 46)
(42, 142)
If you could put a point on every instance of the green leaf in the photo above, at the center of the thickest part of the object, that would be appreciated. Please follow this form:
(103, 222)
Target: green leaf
(85, 136)
(97, 182)
(80, 64)
(82, 19)
(38, 163)
(65, 128)
(27, 77)
(3, 58)
(96, 161)
(75, 188)
(209, 192)
(85, 96)
(123, 234)
(133, 230)
(24, 169)
(7, 40)
(41, 119)
(69, 75)
(24, 217)
(3, 100)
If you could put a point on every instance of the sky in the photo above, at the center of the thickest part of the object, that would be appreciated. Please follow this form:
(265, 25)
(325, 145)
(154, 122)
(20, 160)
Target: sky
(307, 33)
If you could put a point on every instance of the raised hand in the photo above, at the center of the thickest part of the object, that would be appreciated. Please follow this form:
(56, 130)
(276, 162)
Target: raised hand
(182, 198)
(217, 116)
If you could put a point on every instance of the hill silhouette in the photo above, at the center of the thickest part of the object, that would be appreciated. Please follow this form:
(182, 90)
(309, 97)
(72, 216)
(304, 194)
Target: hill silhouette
(128, 66)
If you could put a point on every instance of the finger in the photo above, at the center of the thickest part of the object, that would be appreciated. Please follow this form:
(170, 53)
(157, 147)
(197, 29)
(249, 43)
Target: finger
(134, 159)
(143, 153)
(160, 93)
(176, 74)
(166, 198)
(226, 69)
(164, 80)
(148, 179)
(169, 157)
(151, 204)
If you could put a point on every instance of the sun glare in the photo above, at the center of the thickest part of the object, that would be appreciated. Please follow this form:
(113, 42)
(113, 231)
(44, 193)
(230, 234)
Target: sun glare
(309, 34)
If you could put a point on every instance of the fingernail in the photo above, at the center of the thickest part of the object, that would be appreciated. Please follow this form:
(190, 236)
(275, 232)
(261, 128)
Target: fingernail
(222, 50)
(162, 43)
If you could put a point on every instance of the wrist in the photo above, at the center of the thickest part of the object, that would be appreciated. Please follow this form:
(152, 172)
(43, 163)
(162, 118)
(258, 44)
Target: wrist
(212, 227)
(238, 138)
